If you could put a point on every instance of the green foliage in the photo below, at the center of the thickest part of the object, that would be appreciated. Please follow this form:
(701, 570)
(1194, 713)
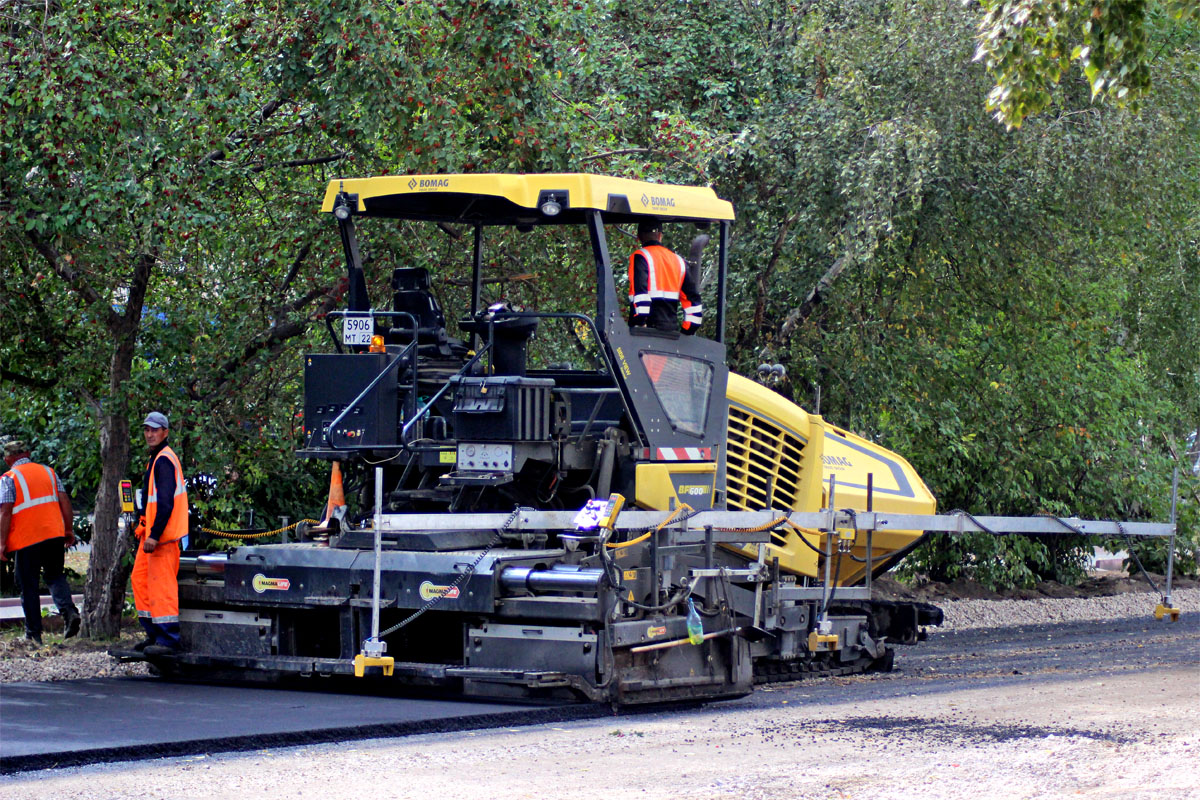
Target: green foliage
(1015, 313)
(1028, 45)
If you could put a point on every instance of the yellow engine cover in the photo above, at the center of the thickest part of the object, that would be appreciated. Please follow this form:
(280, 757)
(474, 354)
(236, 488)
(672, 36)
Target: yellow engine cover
(779, 456)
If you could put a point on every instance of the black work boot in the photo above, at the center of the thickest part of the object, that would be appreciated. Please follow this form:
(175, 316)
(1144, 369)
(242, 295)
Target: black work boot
(160, 650)
(143, 644)
(33, 638)
(73, 621)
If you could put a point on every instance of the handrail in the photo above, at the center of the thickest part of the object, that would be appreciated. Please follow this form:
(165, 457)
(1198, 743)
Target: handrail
(386, 314)
(591, 323)
(336, 420)
(438, 394)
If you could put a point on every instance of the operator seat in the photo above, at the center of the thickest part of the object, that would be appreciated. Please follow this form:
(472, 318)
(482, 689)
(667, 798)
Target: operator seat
(413, 295)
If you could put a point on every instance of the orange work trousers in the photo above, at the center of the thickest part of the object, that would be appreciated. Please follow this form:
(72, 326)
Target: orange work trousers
(155, 583)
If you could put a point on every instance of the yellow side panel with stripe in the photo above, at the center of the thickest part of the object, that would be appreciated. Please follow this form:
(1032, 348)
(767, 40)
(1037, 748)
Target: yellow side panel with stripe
(779, 456)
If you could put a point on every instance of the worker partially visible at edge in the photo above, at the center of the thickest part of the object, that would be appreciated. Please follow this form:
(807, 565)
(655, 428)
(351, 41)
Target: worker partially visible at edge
(35, 527)
(164, 523)
(660, 282)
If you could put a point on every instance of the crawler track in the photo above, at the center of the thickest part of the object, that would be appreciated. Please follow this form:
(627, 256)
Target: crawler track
(784, 671)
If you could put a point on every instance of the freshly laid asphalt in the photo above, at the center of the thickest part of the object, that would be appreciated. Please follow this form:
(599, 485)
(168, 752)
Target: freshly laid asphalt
(69, 723)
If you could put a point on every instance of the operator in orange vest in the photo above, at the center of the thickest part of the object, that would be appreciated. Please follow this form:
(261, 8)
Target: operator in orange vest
(164, 523)
(35, 528)
(660, 282)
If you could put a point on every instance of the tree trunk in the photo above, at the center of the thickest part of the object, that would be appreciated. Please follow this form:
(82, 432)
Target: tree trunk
(104, 593)
(766, 274)
(108, 572)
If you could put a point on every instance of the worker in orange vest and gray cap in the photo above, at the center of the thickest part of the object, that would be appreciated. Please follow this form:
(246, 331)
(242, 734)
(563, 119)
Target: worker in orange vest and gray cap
(164, 523)
(660, 282)
(35, 528)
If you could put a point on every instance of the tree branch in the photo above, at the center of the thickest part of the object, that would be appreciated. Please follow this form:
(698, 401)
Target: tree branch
(26, 380)
(764, 277)
(63, 268)
(524, 276)
(262, 115)
(295, 268)
(624, 152)
(802, 312)
(273, 338)
(136, 302)
(302, 162)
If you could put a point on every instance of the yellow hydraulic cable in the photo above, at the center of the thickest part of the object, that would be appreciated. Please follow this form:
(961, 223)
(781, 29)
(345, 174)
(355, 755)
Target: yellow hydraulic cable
(232, 535)
(803, 533)
(759, 528)
(679, 510)
(798, 529)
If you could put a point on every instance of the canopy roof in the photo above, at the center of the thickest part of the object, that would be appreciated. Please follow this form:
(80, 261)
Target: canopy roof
(506, 199)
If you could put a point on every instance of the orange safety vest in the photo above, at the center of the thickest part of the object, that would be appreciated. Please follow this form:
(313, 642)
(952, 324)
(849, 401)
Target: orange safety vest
(36, 515)
(177, 525)
(664, 282)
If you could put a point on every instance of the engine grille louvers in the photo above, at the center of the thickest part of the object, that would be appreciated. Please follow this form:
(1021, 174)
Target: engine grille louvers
(763, 465)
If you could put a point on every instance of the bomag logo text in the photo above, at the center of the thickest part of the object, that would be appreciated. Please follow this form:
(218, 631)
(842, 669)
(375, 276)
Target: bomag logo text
(431, 590)
(658, 202)
(837, 461)
(429, 183)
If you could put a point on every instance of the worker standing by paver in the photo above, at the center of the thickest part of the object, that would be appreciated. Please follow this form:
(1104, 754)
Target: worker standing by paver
(35, 528)
(659, 282)
(164, 523)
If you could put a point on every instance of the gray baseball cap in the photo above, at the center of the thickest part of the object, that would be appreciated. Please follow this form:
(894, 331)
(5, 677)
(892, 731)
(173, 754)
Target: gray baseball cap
(156, 419)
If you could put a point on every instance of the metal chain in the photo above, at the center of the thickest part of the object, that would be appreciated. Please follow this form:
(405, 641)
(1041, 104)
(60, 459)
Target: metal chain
(1138, 561)
(466, 573)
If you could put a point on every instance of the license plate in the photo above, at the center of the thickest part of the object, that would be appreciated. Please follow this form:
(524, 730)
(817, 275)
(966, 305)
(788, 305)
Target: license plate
(357, 330)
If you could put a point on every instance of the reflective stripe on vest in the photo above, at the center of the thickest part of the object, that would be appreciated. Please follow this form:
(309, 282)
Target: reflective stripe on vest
(665, 271)
(664, 281)
(36, 515)
(177, 525)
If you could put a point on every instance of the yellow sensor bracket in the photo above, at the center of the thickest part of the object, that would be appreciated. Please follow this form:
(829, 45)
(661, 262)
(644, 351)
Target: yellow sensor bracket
(361, 662)
(1169, 613)
(126, 497)
(822, 642)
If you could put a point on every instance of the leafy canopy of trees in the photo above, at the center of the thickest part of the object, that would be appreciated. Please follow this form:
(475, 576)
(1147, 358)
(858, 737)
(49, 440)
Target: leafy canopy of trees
(1014, 312)
(1029, 45)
